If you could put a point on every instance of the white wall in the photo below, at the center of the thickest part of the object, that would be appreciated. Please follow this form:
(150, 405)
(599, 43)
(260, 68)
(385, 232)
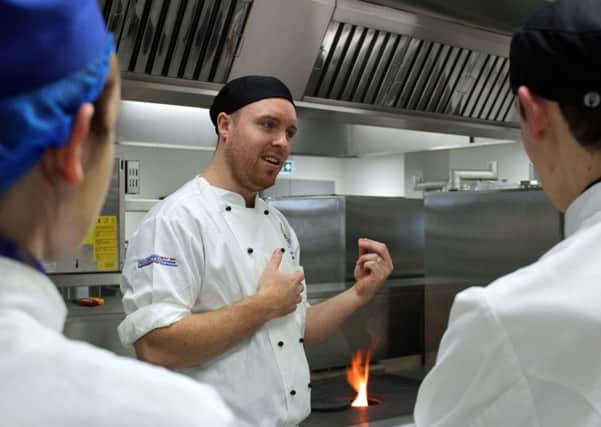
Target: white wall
(512, 164)
(374, 176)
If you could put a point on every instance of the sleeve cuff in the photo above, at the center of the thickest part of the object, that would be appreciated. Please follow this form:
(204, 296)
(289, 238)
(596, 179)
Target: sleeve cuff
(148, 318)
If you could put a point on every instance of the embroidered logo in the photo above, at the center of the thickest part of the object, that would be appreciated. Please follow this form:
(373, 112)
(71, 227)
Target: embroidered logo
(156, 259)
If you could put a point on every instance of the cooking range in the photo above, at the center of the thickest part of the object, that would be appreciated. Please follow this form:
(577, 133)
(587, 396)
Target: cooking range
(389, 396)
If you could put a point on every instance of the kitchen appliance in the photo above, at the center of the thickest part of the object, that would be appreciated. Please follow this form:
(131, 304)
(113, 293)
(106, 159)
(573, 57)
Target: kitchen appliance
(473, 238)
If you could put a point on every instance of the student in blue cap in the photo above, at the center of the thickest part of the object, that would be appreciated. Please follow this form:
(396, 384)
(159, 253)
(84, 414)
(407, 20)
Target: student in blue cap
(59, 97)
(525, 351)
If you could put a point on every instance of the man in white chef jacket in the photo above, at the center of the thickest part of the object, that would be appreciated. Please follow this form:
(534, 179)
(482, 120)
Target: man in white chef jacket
(525, 351)
(59, 97)
(213, 284)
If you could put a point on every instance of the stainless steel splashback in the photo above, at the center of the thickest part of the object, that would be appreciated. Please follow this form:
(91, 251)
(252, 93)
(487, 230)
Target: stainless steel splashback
(328, 228)
(473, 238)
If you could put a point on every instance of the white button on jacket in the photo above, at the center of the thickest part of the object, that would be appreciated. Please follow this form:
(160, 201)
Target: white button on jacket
(199, 250)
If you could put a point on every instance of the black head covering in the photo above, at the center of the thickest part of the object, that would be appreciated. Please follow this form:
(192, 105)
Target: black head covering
(245, 90)
(557, 53)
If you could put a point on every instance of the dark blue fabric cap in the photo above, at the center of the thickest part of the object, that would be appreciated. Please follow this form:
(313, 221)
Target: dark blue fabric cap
(42, 41)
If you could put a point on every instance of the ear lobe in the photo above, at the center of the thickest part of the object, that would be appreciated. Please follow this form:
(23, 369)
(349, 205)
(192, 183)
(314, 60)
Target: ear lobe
(65, 163)
(535, 114)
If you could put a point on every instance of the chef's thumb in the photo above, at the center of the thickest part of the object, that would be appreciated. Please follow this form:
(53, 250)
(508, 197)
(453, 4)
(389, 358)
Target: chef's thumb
(276, 260)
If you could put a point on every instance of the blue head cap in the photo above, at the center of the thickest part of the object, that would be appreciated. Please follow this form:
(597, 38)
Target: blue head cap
(54, 56)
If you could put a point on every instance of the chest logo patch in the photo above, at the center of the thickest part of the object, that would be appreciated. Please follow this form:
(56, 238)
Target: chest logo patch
(157, 259)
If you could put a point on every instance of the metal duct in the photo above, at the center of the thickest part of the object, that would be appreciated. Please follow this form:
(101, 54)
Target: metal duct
(189, 39)
(385, 69)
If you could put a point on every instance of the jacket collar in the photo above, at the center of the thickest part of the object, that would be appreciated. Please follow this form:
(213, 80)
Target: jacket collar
(26, 290)
(583, 210)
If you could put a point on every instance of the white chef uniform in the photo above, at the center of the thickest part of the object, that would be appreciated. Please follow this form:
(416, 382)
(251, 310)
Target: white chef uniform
(47, 379)
(199, 250)
(526, 350)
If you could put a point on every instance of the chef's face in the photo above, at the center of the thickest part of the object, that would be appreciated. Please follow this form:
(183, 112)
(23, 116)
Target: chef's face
(258, 142)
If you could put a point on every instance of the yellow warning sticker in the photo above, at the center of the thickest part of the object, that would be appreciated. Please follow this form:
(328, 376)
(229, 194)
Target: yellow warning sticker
(105, 243)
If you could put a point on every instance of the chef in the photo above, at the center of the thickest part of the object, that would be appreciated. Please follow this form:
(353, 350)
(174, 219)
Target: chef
(213, 284)
(59, 96)
(524, 351)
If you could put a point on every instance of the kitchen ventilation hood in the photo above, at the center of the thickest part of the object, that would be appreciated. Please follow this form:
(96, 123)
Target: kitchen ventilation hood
(346, 61)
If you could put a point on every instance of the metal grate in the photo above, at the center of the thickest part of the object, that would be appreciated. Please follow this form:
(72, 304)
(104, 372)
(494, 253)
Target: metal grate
(191, 39)
(374, 67)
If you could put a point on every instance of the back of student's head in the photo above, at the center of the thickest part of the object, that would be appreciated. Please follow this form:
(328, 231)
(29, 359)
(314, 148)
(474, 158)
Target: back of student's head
(55, 56)
(556, 54)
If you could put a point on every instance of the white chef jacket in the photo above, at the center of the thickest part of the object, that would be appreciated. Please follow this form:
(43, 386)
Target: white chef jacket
(47, 379)
(199, 250)
(526, 350)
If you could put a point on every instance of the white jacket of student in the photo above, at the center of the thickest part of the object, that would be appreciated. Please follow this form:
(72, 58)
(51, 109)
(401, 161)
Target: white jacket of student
(49, 380)
(526, 350)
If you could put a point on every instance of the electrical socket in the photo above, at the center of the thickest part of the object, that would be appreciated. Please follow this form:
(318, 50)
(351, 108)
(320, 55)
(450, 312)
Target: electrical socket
(132, 176)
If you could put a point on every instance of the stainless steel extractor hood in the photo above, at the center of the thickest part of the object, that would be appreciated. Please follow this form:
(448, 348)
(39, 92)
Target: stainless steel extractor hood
(346, 61)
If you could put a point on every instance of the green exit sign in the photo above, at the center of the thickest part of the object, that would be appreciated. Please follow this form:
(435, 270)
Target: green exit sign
(288, 167)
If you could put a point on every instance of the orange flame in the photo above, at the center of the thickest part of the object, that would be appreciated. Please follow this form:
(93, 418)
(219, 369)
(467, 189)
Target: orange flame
(357, 376)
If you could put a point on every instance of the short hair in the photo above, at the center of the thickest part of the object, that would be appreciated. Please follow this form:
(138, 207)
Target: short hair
(585, 126)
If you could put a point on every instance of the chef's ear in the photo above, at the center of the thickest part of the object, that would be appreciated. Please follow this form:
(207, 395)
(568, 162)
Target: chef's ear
(224, 124)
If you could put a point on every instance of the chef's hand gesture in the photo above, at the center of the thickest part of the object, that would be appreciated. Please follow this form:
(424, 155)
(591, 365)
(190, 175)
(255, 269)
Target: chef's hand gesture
(280, 292)
(373, 267)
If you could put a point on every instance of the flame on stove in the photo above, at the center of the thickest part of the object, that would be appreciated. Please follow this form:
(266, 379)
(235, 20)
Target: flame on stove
(357, 375)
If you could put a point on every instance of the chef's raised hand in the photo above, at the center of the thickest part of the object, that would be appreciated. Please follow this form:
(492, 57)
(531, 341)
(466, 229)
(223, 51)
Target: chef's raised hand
(373, 267)
(280, 292)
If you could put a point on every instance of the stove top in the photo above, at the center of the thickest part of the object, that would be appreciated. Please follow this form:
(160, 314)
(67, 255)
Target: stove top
(330, 402)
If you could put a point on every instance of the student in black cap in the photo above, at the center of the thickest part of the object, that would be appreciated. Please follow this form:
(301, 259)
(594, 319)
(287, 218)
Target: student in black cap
(524, 351)
(213, 283)
(59, 98)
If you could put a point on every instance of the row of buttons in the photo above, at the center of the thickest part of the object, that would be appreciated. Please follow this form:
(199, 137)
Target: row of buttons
(293, 392)
(229, 208)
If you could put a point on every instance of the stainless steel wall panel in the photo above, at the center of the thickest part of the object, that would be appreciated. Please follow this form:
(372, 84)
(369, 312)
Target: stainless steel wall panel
(328, 228)
(367, 76)
(350, 58)
(319, 226)
(396, 221)
(473, 238)
(366, 45)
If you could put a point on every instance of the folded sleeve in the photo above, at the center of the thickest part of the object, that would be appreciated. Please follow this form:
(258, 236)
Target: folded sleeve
(161, 277)
(477, 379)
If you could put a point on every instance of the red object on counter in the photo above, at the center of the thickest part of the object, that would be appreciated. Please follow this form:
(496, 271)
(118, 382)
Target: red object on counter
(89, 302)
